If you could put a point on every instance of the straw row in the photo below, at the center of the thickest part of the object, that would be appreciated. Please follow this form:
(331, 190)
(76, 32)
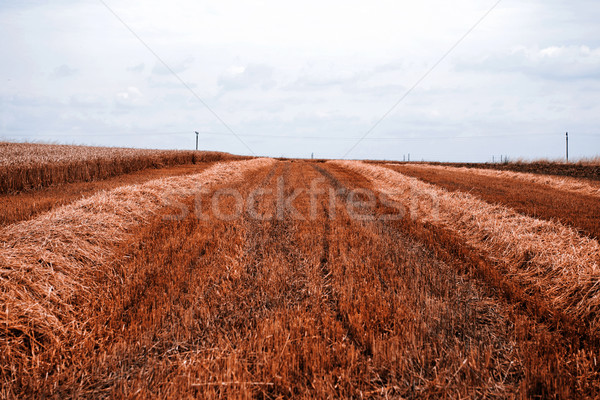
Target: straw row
(548, 256)
(48, 264)
(573, 185)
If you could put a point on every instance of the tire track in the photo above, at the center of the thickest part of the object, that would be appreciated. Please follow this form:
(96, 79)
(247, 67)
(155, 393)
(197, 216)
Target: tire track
(340, 191)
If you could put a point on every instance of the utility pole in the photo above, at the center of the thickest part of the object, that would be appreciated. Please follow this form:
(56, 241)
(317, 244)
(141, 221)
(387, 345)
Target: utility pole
(567, 145)
(197, 133)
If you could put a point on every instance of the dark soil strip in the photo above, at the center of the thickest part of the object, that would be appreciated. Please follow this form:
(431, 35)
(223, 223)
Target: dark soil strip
(574, 170)
(539, 201)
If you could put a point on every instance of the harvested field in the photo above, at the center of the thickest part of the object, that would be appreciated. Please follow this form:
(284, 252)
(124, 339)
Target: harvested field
(295, 279)
(49, 262)
(570, 201)
(568, 184)
(544, 257)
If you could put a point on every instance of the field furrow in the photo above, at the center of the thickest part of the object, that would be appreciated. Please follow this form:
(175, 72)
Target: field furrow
(579, 186)
(570, 201)
(586, 170)
(50, 264)
(545, 364)
(546, 258)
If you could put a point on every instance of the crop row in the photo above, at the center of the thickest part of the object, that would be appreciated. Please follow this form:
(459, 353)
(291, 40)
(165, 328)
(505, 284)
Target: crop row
(26, 166)
(544, 257)
(574, 185)
(51, 263)
(588, 169)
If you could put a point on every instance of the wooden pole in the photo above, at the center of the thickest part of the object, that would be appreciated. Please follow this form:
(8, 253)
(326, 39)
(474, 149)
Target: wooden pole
(567, 146)
(197, 133)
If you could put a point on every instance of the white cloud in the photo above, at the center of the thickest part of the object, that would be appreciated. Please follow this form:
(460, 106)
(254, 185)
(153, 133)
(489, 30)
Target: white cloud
(161, 69)
(244, 77)
(139, 68)
(63, 71)
(129, 96)
(552, 62)
(312, 69)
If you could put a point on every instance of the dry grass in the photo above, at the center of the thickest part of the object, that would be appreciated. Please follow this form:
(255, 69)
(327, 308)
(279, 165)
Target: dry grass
(545, 257)
(573, 185)
(50, 263)
(589, 161)
(28, 166)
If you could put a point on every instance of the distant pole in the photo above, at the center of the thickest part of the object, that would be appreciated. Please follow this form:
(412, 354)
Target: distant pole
(197, 133)
(312, 155)
(567, 145)
(408, 157)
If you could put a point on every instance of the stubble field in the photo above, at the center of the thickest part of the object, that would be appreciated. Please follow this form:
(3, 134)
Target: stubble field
(263, 278)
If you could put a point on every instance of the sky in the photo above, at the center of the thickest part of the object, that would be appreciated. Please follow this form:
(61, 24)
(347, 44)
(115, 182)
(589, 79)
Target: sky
(465, 80)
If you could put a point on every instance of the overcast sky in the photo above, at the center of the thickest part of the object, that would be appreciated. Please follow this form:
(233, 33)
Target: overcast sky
(295, 78)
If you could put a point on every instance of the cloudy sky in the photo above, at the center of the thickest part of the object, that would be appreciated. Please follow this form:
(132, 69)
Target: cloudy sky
(295, 78)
